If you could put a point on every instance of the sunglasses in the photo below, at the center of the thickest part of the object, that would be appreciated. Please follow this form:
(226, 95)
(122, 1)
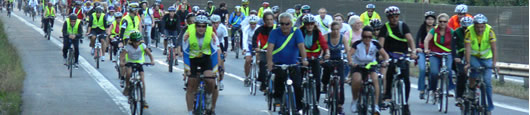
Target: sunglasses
(252, 23)
(368, 37)
(285, 24)
(311, 23)
(442, 21)
(201, 26)
(306, 11)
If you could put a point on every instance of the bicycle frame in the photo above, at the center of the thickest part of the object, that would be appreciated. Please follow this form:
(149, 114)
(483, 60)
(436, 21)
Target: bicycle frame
(333, 93)
(171, 52)
(367, 93)
(475, 103)
(398, 88)
(288, 105)
(309, 85)
(441, 94)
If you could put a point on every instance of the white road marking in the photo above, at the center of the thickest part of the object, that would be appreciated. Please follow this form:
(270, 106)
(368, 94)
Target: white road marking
(103, 82)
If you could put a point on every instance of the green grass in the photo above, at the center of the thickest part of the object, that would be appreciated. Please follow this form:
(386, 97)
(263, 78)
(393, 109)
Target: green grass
(11, 76)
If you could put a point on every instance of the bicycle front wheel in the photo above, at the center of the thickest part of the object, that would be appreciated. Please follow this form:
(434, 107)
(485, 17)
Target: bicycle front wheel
(170, 60)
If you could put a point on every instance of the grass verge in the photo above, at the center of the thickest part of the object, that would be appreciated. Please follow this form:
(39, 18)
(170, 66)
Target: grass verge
(11, 76)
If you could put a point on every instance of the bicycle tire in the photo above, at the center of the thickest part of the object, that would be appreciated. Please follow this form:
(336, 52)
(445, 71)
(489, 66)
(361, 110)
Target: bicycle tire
(97, 53)
(446, 94)
(335, 96)
(48, 31)
(362, 104)
(371, 99)
(140, 99)
(70, 61)
(483, 104)
(292, 101)
(170, 59)
(132, 101)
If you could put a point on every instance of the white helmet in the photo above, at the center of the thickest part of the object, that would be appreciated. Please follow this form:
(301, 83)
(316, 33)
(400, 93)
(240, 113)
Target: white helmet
(480, 19)
(290, 11)
(466, 21)
(462, 8)
(392, 10)
(202, 19)
(309, 19)
(215, 18)
(253, 19)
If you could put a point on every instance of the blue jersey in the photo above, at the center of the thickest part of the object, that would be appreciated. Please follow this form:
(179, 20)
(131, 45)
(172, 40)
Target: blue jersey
(290, 52)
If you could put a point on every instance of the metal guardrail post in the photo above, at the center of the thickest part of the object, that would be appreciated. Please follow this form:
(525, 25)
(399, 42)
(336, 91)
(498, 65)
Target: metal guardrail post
(525, 83)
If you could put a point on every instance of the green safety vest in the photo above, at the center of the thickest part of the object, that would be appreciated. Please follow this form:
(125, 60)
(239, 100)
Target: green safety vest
(98, 23)
(245, 11)
(260, 12)
(131, 25)
(366, 19)
(49, 12)
(315, 50)
(285, 42)
(391, 34)
(195, 51)
(322, 23)
(141, 60)
(113, 32)
(69, 29)
(438, 44)
(211, 10)
(481, 48)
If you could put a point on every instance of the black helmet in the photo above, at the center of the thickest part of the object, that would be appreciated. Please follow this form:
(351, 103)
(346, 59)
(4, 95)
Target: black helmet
(72, 16)
(298, 6)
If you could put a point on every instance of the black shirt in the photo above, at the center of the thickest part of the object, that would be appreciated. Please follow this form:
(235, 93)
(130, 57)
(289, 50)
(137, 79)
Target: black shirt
(182, 17)
(170, 23)
(221, 13)
(391, 44)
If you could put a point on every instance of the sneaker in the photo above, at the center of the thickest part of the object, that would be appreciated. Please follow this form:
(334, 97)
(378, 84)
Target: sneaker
(221, 86)
(92, 51)
(76, 66)
(262, 87)
(165, 52)
(324, 89)
(102, 58)
(247, 82)
(406, 110)
(340, 111)
(377, 111)
(451, 94)
(354, 106)
(65, 61)
(422, 95)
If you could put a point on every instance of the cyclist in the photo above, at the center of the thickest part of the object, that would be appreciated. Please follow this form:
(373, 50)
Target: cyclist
(306, 10)
(210, 8)
(442, 36)
(195, 9)
(244, 7)
(221, 32)
(130, 22)
(428, 24)
(336, 43)
(158, 13)
(223, 13)
(286, 54)
(114, 32)
(481, 51)
(316, 46)
(49, 14)
(461, 11)
(110, 15)
(134, 52)
(344, 27)
(235, 23)
(298, 13)
(324, 20)
(170, 27)
(458, 55)
(97, 25)
(376, 25)
(260, 38)
(248, 32)
(182, 13)
(396, 38)
(364, 52)
(32, 4)
(355, 33)
(72, 30)
(369, 14)
(205, 57)
(264, 6)
(77, 10)
(147, 21)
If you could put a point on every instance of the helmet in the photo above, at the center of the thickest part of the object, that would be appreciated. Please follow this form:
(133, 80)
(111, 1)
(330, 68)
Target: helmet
(306, 7)
(78, 2)
(290, 11)
(111, 9)
(172, 8)
(466, 21)
(133, 6)
(351, 14)
(244, 2)
(308, 18)
(370, 6)
(158, 1)
(253, 19)
(480, 19)
(143, 1)
(72, 16)
(202, 12)
(215, 18)
(276, 9)
(136, 36)
(298, 6)
(237, 8)
(430, 13)
(118, 14)
(265, 4)
(99, 9)
(195, 8)
(50, 3)
(210, 2)
(201, 19)
(392, 10)
(376, 23)
(253, 12)
(96, 4)
(462, 8)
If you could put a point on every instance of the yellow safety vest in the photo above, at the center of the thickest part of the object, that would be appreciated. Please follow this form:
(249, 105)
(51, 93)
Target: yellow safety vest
(366, 19)
(391, 34)
(285, 42)
(141, 60)
(113, 32)
(260, 12)
(211, 10)
(315, 50)
(69, 29)
(98, 23)
(195, 50)
(480, 48)
(49, 12)
(245, 11)
(131, 25)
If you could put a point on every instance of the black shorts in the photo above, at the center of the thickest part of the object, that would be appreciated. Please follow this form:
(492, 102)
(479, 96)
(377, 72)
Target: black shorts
(363, 70)
(96, 31)
(138, 67)
(204, 63)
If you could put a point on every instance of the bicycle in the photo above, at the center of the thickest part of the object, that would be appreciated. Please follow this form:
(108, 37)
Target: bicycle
(135, 91)
(156, 33)
(475, 101)
(117, 63)
(254, 70)
(237, 41)
(202, 102)
(288, 101)
(310, 102)
(398, 88)
(9, 8)
(441, 94)
(367, 94)
(427, 78)
(48, 26)
(171, 59)
(70, 58)
(333, 94)
(98, 52)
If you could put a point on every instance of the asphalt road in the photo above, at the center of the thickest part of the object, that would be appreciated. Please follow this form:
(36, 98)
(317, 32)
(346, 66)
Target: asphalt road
(49, 91)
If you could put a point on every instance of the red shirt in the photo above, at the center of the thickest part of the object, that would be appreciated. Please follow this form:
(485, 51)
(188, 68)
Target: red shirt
(446, 43)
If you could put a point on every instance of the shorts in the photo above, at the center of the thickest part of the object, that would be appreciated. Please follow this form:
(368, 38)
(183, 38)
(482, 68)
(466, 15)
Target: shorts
(204, 63)
(96, 31)
(138, 67)
(249, 53)
(363, 71)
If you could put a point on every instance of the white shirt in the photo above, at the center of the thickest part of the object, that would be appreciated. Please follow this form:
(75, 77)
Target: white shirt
(246, 21)
(247, 36)
(33, 3)
(326, 21)
(222, 32)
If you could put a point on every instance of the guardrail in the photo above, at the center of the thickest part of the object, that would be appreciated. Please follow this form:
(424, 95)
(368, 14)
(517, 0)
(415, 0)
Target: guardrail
(512, 69)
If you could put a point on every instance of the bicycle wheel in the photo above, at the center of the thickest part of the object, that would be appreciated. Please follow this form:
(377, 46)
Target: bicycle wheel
(399, 100)
(362, 104)
(445, 106)
(335, 97)
(48, 31)
(292, 101)
(483, 104)
(97, 53)
(371, 99)
(252, 83)
(139, 99)
(70, 61)
(170, 59)
(132, 100)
